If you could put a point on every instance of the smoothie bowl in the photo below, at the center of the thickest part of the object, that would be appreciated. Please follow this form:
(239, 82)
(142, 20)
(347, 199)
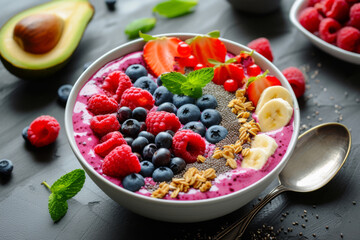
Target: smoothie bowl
(182, 127)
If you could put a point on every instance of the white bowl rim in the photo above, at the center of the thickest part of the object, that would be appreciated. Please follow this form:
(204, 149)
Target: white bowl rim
(84, 77)
(297, 6)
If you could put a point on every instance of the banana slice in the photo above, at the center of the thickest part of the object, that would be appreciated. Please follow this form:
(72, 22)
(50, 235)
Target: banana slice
(265, 142)
(275, 114)
(271, 93)
(256, 159)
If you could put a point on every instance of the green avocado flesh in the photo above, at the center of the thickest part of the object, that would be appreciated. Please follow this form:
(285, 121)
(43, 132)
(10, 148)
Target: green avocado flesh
(76, 15)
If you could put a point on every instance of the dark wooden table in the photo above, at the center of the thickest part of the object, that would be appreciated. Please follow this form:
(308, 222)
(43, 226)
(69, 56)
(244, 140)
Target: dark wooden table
(332, 95)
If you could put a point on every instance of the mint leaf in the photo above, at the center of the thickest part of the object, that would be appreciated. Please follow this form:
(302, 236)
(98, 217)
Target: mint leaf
(175, 8)
(69, 185)
(146, 37)
(173, 81)
(201, 77)
(142, 24)
(190, 90)
(214, 34)
(57, 207)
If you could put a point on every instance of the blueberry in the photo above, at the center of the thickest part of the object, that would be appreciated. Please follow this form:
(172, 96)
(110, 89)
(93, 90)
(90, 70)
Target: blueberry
(206, 101)
(215, 134)
(135, 72)
(210, 117)
(149, 136)
(129, 140)
(138, 156)
(180, 100)
(163, 140)
(131, 128)
(138, 144)
(147, 168)
(158, 81)
(197, 127)
(6, 167)
(25, 134)
(142, 126)
(162, 174)
(146, 83)
(64, 92)
(86, 65)
(170, 132)
(123, 114)
(177, 164)
(167, 107)
(161, 95)
(161, 157)
(139, 114)
(148, 151)
(133, 182)
(188, 112)
(110, 4)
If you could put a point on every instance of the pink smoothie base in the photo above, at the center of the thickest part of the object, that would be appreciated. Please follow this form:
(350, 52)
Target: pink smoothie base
(226, 183)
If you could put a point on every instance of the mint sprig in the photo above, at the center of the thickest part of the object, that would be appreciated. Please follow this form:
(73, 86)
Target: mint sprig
(175, 8)
(190, 85)
(62, 190)
(142, 24)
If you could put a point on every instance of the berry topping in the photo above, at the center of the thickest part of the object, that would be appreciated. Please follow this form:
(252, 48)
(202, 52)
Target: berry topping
(115, 84)
(138, 144)
(253, 70)
(188, 145)
(101, 104)
(262, 46)
(355, 15)
(6, 167)
(337, 9)
(210, 117)
(139, 114)
(64, 92)
(230, 85)
(137, 97)
(158, 81)
(179, 100)
(146, 83)
(131, 128)
(348, 38)
(147, 168)
(162, 174)
(225, 71)
(161, 157)
(149, 151)
(103, 124)
(150, 137)
(43, 131)
(199, 66)
(163, 140)
(129, 140)
(296, 79)
(167, 107)
(328, 29)
(215, 134)
(161, 121)
(108, 143)
(177, 164)
(123, 114)
(196, 127)
(136, 71)
(183, 49)
(161, 95)
(310, 19)
(189, 61)
(256, 87)
(121, 162)
(188, 112)
(133, 182)
(206, 101)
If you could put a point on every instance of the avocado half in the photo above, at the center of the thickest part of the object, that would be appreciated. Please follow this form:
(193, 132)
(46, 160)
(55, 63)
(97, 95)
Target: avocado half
(76, 15)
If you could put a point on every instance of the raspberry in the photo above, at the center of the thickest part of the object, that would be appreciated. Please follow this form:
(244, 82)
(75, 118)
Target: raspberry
(137, 97)
(337, 9)
(115, 84)
(161, 121)
(43, 131)
(121, 162)
(348, 38)
(355, 15)
(108, 143)
(310, 18)
(328, 28)
(101, 104)
(296, 79)
(262, 46)
(103, 124)
(188, 145)
(313, 2)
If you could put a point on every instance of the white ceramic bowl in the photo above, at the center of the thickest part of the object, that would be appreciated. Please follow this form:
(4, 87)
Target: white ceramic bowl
(168, 210)
(333, 50)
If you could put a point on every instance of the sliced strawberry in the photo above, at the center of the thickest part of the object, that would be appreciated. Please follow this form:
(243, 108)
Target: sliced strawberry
(245, 58)
(258, 85)
(221, 74)
(225, 71)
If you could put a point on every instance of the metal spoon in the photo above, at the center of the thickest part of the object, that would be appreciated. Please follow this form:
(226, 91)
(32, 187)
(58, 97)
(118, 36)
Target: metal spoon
(319, 154)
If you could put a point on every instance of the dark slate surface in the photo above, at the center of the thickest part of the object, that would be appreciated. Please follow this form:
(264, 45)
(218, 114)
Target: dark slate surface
(333, 95)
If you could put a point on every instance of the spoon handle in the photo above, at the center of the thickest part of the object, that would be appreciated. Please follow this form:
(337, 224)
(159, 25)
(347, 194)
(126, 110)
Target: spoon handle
(244, 222)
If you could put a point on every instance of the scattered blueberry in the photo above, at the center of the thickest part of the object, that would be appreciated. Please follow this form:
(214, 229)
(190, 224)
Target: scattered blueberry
(138, 156)
(138, 144)
(135, 72)
(161, 95)
(206, 101)
(147, 169)
(146, 83)
(210, 117)
(123, 114)
(25, 134)
(162, 174)
(133, 182)
(197, 127)
(163, 140)
(64, 92)
(139, 114)
(149, 136)
(129, 140)
(167, 107)
(6, 167)
(177, 164)
(170, 132)
(215, 134)
(130, 128)
(188, 112)
(161, 157)
(180, 100)
(142, 126)
(148, 151)
(158, 81)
